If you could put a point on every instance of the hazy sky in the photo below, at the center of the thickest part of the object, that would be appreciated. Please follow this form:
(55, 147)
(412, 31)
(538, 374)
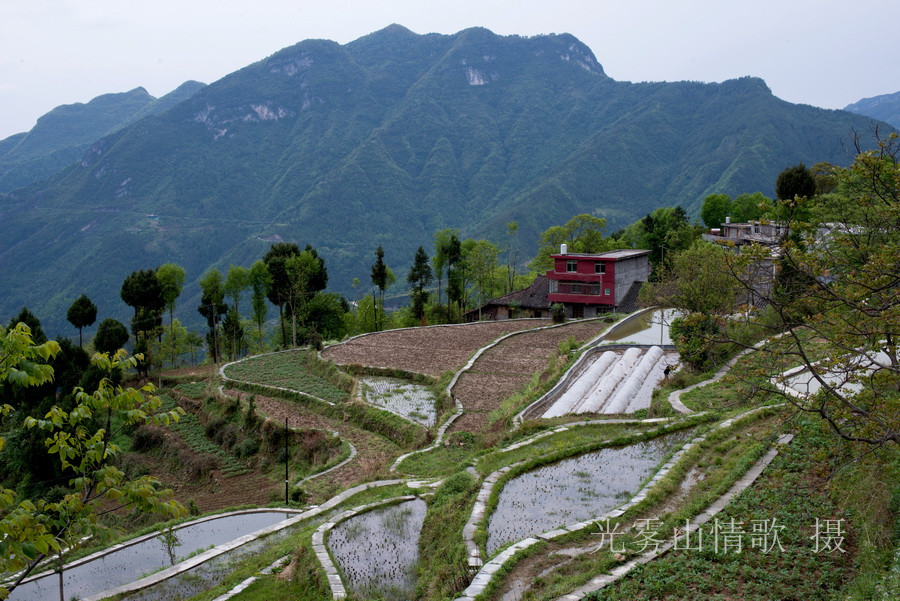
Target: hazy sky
(828, 53)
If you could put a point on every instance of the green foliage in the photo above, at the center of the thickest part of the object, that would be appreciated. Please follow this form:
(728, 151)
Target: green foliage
(419, 277)
(557, 313)
(749, 207)
(794, 182)
(695, 337)
(697, 279)
(212, 305)
(715, 208)
(302, 371)
(82, 313)
(142, 291)
(111, 336)
(83, 441)
(356, 167)
(582, 233)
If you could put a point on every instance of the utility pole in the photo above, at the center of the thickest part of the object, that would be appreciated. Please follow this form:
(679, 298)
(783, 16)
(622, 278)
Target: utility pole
(286, 462)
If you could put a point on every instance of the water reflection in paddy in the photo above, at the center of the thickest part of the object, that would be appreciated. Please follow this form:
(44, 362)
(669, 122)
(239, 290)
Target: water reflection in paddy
(574, 490)
(131, 563)
(377, 551)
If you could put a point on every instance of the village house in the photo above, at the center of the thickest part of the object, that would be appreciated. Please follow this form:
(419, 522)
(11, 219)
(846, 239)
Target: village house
(589, 284)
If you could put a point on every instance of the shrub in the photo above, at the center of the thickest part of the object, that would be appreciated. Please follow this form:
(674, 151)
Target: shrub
(247, 447)
(557, 313)
(147, 437)
(199, 465)
(213, 426)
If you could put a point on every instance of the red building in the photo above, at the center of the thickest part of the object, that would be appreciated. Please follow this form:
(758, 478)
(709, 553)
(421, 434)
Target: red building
(588, 284)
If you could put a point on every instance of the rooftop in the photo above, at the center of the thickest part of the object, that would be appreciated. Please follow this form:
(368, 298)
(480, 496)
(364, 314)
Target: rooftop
(624, 253)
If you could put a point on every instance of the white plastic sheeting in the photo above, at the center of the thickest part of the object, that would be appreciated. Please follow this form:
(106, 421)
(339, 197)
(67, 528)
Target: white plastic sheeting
(582, 386)
(630, 387)
(610, 381)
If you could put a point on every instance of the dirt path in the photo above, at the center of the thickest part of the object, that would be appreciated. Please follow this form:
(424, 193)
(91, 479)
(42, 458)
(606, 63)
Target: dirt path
(508, 367)
(430, 350)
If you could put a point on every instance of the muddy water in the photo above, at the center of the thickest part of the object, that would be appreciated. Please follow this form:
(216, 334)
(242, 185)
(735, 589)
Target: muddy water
(377, 551)
(131, 563)
(412, 401)
(573, 490)
(649, 328)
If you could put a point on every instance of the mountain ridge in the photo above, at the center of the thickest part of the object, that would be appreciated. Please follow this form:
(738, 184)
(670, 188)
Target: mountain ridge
(380, 142)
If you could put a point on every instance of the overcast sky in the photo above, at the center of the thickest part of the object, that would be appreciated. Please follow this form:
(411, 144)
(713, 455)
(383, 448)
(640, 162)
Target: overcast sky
(828, 53)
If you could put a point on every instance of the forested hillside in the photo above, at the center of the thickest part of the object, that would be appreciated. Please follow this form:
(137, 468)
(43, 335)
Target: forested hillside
(381, 142)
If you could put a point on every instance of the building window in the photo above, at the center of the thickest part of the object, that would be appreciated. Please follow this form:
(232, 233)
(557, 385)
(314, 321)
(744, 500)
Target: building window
(599, 267)
(571, 266)
(606, 291)
(576, 288)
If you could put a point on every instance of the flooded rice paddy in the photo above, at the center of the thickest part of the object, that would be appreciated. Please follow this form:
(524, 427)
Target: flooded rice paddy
(133, 562)
(414, 402)
(649, 328)
(574, 490)
(377, 551)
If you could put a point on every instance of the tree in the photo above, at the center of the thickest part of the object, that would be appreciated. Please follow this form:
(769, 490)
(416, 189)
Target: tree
(482, 262)
(83, 441)
(795, 182)
(442, 243)
(237, 280)
(212, 305)
(111, 336)
(716, 207)
(260, 283)
(749, 207)
(171, 278)
(379, 276)
(302, 271)
(512, 255)
(175, 340)
(850, 283)
(419, 277)
(34, 325)
(582, 234)
(279, 288)
(82, 313)
(233, 332)
(696, 280)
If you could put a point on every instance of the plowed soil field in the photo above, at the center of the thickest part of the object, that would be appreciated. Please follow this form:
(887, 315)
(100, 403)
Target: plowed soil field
(430, 351)
(507, 368)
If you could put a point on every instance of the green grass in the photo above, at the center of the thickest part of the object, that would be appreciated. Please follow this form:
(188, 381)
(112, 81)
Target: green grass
(192, 432)
(791, 492)
(299, 370)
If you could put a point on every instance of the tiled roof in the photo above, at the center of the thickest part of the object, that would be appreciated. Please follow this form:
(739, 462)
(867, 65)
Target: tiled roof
(533, 297)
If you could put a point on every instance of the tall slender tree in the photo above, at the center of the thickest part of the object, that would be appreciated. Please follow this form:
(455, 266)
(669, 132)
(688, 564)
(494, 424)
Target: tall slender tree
(82, 313)
(279, 289)
(171, 278)
(237, 280)
(379, 278)
(212, 306)
(260, 282)
(419, 277)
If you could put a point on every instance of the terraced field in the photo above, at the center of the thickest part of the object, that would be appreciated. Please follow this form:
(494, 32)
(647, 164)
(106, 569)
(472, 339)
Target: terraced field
(429, 350)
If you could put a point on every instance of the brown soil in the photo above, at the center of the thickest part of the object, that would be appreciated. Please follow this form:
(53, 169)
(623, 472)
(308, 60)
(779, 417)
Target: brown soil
(430, 351)
(374, 453)
(507, 368)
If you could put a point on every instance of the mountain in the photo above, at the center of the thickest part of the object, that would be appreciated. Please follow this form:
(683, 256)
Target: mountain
(884, 108)
(63, 135)
(381, 142)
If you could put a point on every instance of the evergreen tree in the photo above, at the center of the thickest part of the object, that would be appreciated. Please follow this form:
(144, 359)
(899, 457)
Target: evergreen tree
(82, 313)
(143, 291)
(29, 319)
(379, 276)
(419, 277)
(111, 336)
(260, 282)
